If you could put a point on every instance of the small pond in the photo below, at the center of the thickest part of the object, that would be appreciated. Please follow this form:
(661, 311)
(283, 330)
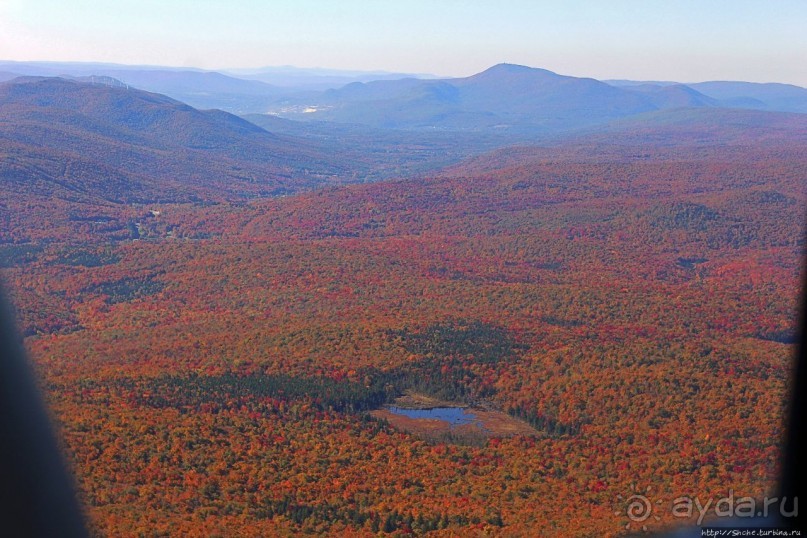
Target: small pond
(455, 416)
(690, 263)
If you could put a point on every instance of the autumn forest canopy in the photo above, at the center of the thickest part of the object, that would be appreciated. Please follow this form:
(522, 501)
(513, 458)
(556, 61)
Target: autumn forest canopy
(218, 305)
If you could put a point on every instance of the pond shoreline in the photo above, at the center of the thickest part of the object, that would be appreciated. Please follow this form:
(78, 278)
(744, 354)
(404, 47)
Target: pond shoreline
(413, 400)
(486, 421)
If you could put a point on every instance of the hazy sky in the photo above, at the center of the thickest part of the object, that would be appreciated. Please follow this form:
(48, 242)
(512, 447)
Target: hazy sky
(684, 40)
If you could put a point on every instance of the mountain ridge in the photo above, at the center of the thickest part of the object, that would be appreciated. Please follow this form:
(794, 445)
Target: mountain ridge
(306, 94)
(64, 138)
(504, 97)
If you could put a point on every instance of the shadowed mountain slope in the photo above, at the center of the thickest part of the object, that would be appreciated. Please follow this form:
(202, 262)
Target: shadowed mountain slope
(128, 145)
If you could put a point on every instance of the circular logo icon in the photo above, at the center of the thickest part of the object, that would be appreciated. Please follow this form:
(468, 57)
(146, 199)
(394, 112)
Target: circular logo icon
(637, 507)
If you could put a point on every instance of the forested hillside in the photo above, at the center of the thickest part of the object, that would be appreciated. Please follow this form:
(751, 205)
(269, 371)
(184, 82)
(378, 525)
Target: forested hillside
(212, 371)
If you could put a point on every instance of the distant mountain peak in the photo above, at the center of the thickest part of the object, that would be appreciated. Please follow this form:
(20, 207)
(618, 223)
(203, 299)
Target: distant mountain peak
(504, 66)
(514, 69)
